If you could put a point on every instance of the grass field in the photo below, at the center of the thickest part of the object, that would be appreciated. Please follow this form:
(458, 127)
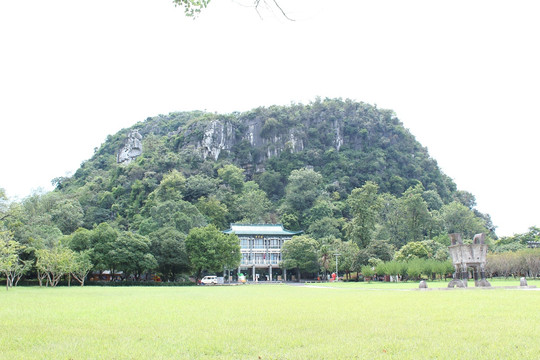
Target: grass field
(343, 321)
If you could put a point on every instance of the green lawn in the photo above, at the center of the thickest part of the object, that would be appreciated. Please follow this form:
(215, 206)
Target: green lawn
(414, 284)
(345, 321)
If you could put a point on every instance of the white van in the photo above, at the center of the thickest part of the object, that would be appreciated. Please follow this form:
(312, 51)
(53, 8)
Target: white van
(209, 280)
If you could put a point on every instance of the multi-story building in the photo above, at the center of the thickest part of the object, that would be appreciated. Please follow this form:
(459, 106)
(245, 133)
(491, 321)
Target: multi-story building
(260, 246)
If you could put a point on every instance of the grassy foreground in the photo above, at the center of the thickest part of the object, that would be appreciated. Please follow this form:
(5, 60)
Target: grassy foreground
(267, 322)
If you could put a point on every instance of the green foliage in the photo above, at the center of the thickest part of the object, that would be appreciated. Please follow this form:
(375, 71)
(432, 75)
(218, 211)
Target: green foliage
(210, 249)
(459, 218)
(303, 188)
(169, 250)
(517, 241)
(300, 253)
(11, 265)
(367, 271)
(214, 211)
(180, 215)
(326, 227)
(171, 187)
(415, 212)
(364, 203)
(252, 206)
(198, 186)
(381, 249)
(272, 183)
(412, 250)
(131, 254)
(232, 176)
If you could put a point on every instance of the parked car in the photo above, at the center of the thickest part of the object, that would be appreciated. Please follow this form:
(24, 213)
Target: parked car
(209, 280)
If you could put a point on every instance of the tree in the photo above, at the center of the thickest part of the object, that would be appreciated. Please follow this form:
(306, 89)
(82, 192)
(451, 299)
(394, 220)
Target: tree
(465, 198)
(103, 239)
(198, 186)
(395, 269)
(171, 187)
(68, 215)
(432, 199)
(415, 213)
(325, 258)
(131, 254)
(81, 266)
(3, 204)
(300, 253)
(415, 268)
(327, 227)
(272, 183)
(10, 264)
(252, 206)
(349, 255)
(178, 214)
(460, 219)
(233, 177)
(169, 249)
(80, 240)
(412, 250)
(54, 263)
(209, 249)
(391, 221)
(364, 203)
(381, 249)
(214, 211)
(368, 272)
(303, 188)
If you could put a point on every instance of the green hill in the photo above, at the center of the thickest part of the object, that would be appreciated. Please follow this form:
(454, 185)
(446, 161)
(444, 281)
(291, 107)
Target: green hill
(336, 144)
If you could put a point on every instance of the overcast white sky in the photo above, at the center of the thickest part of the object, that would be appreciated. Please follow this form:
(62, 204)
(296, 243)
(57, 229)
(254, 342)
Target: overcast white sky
(463, 76)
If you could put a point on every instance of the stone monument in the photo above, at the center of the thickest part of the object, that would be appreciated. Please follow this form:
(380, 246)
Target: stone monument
(465, 256)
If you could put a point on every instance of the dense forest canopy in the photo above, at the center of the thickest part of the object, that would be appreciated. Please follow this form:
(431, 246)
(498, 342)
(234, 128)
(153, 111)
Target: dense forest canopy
(337, 169)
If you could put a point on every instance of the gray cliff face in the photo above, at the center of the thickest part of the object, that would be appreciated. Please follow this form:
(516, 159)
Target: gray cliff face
(221, 136)
(131, 149)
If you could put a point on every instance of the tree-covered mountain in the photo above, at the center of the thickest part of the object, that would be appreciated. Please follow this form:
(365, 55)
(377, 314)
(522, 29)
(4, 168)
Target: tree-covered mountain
(347, 142)
(337, 169)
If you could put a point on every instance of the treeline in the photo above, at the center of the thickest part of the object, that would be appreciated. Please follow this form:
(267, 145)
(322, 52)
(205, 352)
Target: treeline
(519, 263)
(378, 224)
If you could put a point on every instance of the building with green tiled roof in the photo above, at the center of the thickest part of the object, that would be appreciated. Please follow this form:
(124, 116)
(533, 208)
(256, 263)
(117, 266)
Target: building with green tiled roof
(260, 245)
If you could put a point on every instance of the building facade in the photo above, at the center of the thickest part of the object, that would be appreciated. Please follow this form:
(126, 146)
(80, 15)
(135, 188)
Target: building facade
(260, 246)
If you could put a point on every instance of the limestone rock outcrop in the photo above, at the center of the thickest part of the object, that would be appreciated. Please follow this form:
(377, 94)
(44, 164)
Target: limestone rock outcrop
(132, 148)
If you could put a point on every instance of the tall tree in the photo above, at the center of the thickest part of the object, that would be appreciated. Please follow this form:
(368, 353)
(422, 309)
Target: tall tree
(209, 249)
(214, 211)
(365, 204)
(232, 176)
(415, 212)
(131, 254)
(459, 218)
(303, 188)
(300, 253)
(252, 206)
(169, 249)
(10, 263)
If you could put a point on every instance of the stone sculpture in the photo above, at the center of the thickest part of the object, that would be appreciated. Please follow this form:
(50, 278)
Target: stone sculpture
(465, 256)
